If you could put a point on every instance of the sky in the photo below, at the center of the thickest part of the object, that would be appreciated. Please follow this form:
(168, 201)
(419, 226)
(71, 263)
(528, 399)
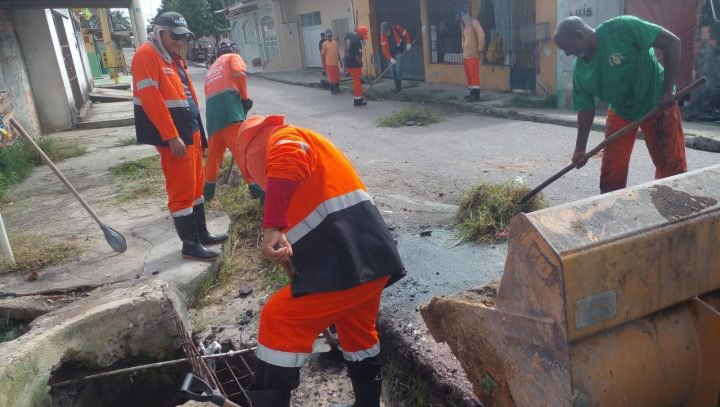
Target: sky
(149, 8)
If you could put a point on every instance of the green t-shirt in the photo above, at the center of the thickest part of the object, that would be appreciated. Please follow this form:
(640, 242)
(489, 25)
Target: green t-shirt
(624, 71)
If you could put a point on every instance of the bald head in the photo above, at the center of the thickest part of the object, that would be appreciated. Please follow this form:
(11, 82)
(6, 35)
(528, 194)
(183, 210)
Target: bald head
(575, 37)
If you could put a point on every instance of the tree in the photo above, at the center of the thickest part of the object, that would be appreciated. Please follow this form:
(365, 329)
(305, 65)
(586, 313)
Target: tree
(197, 13)
(119, 21)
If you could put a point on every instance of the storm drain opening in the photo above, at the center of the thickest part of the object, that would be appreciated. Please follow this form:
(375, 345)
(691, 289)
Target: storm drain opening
(140, 382)
(12, 328)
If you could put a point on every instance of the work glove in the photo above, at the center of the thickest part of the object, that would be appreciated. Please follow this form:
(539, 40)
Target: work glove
(407, 47)
(393, 61)
(209, 191)
(256, 192)
(247, 105)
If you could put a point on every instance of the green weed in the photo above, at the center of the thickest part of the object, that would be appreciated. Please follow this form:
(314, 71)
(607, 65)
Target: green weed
(488, 208)
(139, 178)
(408, 116)
(127, 141)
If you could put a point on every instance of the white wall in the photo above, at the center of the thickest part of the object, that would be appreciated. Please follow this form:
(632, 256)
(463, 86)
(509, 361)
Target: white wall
(47, 72)
(593, 12)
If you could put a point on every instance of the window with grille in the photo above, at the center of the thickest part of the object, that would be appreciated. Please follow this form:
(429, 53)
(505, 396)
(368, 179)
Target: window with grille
(310, 19)
(445, 30)
(270, 39)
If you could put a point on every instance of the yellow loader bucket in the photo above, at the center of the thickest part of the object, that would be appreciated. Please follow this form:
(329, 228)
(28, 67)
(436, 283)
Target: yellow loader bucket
(608, 301)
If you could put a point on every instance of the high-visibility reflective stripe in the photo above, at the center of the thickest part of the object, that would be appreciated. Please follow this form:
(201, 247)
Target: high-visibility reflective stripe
(280, 358)
(182, 212)
(168, 103)
(302, 145)
(199, 201)
(323, 210)
(146, 83)
(177, 103)
(362, 354)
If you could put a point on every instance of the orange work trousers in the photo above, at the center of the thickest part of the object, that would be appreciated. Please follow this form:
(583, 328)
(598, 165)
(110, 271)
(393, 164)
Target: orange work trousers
(333, 74)
(219, 142)
(183, 177)
(289, 325)
(356, 73)
(472, 72)
(665, 142)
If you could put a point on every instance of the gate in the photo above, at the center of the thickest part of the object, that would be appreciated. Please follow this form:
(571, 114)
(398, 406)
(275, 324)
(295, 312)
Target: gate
(67, 59)
(523, 66)
(407, 14)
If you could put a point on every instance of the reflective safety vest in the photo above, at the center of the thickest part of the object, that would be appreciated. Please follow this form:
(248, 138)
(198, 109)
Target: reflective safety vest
(225, 89)
(162, 111)
(338, 236)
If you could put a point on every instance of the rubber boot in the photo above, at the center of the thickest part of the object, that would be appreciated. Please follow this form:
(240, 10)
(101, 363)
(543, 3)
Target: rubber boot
(366, 380)
(277, 381)
(186, 228)
(474, 95)
(398, 85)
(337, 89)
(205, 236)
(360, 102)
(266, 398)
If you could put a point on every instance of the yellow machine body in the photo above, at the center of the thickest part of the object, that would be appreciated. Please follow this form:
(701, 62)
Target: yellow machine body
(607, 301)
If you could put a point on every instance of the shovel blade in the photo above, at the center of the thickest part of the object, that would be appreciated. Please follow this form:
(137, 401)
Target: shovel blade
(114, 238)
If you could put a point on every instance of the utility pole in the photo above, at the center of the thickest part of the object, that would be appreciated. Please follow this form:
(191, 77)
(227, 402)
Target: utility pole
(109, 51)
(138, 22)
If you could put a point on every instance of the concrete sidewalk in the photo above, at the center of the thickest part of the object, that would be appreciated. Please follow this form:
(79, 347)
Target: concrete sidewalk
(703, 136)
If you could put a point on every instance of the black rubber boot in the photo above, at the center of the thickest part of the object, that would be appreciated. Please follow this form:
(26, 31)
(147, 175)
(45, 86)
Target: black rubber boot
(366, 380)
(337, 89)
(360, 102)
(205, 236)
(398, 85)
(266, 398)
(192, 248)
(278, 381)
(474, 95)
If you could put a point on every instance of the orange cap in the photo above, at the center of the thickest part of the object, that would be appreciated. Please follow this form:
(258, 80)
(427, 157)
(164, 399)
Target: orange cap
(363, 31)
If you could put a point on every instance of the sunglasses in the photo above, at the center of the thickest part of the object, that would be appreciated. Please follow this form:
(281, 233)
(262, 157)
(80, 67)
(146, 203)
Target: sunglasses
(178, 37)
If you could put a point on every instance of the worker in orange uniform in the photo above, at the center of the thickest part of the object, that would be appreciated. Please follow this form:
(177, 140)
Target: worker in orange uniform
(331, 56)
(227, 104)
(319, 217)
(167, 116)
(616, 63)
(395, 40)
(353, 61)
(473, 45)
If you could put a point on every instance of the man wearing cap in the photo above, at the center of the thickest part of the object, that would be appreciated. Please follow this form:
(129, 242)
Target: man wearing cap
(395, 40)
(616, 62)
(353, 60)
(167, 116)
(227, 104)
(473, 44)
(331, 58)
(320, 221)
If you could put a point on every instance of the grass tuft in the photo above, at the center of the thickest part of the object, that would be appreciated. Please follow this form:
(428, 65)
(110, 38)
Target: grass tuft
(408, 116)
(34, 252)
(488, 208)
(18, 161)
(140, 178)
(410, 96)
(127, 141)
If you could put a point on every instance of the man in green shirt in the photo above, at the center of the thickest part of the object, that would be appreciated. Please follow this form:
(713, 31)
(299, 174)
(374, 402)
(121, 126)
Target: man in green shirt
(616, 63)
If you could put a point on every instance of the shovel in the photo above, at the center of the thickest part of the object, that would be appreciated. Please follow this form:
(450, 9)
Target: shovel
(114, 238)
(609, 140)
(197, 389)
(385, 71)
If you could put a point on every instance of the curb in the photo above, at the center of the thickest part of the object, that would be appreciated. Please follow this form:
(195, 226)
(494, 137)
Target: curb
(101, 124)
(692, 140)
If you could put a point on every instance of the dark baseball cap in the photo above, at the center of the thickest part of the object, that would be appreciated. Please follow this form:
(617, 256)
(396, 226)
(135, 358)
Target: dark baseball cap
(174, 21)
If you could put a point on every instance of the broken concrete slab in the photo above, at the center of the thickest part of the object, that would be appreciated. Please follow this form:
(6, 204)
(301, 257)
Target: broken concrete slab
(42, 205)
(142, 312)
(106, 95)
